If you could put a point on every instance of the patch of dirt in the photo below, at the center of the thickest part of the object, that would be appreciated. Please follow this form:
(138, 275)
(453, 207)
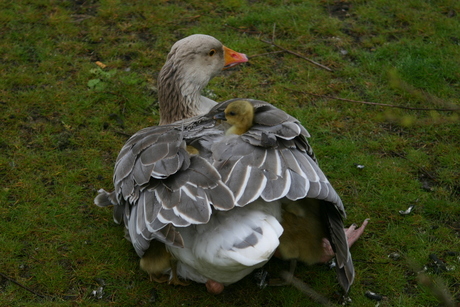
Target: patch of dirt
(84, 8)
(394, 128)
(392, 154)
(427, 179)
(24, 271)
(450, 13)
(339, 9)
(456, 191)
(3, 284)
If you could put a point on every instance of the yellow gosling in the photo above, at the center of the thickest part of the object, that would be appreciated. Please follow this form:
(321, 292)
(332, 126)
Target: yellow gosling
(156, 261)
(192, 150)
(239, 114)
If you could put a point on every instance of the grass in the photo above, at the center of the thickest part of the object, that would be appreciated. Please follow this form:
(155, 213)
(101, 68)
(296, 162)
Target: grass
(64, 119)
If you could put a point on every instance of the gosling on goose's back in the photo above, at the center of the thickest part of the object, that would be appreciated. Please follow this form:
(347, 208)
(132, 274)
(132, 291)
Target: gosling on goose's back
(240, 115)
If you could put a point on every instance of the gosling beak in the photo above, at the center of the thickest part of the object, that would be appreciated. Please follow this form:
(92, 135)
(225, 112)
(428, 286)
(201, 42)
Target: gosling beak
(233, 58)
(220, 116)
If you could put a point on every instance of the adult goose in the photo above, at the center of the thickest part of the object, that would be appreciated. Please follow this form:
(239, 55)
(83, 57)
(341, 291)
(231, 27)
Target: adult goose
(209, 205)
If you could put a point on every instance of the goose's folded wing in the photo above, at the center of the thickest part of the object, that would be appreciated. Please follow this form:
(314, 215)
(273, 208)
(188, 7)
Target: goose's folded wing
(154, 152)
(272, 160)
(160, 186)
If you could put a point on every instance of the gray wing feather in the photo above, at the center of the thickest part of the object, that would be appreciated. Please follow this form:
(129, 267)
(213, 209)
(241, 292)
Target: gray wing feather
(277, 188)
(299, 186)
(166, 196)
(194, 206)
(345, 269)
(222, 197)
(168, 216)
(251, 187)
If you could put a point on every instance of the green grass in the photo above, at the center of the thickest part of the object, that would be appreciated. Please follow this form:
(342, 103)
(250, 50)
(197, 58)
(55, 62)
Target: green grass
(64, 120)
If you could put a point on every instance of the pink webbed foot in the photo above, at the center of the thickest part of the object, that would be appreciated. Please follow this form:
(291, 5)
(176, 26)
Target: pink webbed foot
(352, 234)
(214, 287)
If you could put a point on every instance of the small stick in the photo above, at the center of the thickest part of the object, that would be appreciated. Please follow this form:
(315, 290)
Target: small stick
(374, 103)
(123, 133)
(80, 17)
(370, 262)
(266, 53)
(21, 285)
(278, 46)
(298, 55)
(423, 170)
(306, 289)
(438, 289)
(243, 30)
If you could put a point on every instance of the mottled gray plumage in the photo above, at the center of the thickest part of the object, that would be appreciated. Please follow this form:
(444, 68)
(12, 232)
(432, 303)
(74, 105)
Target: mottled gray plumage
(160, 187)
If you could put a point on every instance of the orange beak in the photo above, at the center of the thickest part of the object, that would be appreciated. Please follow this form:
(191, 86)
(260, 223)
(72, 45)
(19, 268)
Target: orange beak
(233, 58)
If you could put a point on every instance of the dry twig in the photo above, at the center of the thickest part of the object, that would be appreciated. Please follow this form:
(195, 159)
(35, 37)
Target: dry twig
(296, 54)
(124, 133)
(244, 30)
(272, 42)
(305, 289)
(21, 285)
(438, 289)
(266, 53)
(374, 103)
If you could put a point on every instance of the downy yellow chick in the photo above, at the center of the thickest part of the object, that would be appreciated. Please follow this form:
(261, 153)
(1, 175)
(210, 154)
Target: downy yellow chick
(240, 115)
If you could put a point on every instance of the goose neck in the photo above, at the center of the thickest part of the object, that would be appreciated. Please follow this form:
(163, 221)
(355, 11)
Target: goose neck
(178, 96)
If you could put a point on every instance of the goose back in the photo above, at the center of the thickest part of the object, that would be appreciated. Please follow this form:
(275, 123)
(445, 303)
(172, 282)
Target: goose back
(162, 189)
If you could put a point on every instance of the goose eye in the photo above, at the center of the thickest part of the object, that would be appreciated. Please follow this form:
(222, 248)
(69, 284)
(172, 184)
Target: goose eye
(212, 52)
(231, 113)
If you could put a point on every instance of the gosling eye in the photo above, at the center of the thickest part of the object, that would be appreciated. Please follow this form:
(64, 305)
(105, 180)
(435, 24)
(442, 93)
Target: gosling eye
(231, 113)
(212, 52)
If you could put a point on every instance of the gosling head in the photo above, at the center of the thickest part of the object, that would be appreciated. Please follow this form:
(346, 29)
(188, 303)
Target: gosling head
(240, 115)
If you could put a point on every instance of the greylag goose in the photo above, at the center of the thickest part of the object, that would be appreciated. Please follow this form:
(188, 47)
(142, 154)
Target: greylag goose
(208, 203)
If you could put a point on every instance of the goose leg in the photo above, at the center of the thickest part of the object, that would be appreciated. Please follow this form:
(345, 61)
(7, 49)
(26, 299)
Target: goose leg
(352, 234)
(284, 282)
(156, 261)
(159, 279)
(174, 278)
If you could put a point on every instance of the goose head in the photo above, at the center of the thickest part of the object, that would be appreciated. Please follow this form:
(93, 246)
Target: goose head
(190, 65)
(240, 115)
